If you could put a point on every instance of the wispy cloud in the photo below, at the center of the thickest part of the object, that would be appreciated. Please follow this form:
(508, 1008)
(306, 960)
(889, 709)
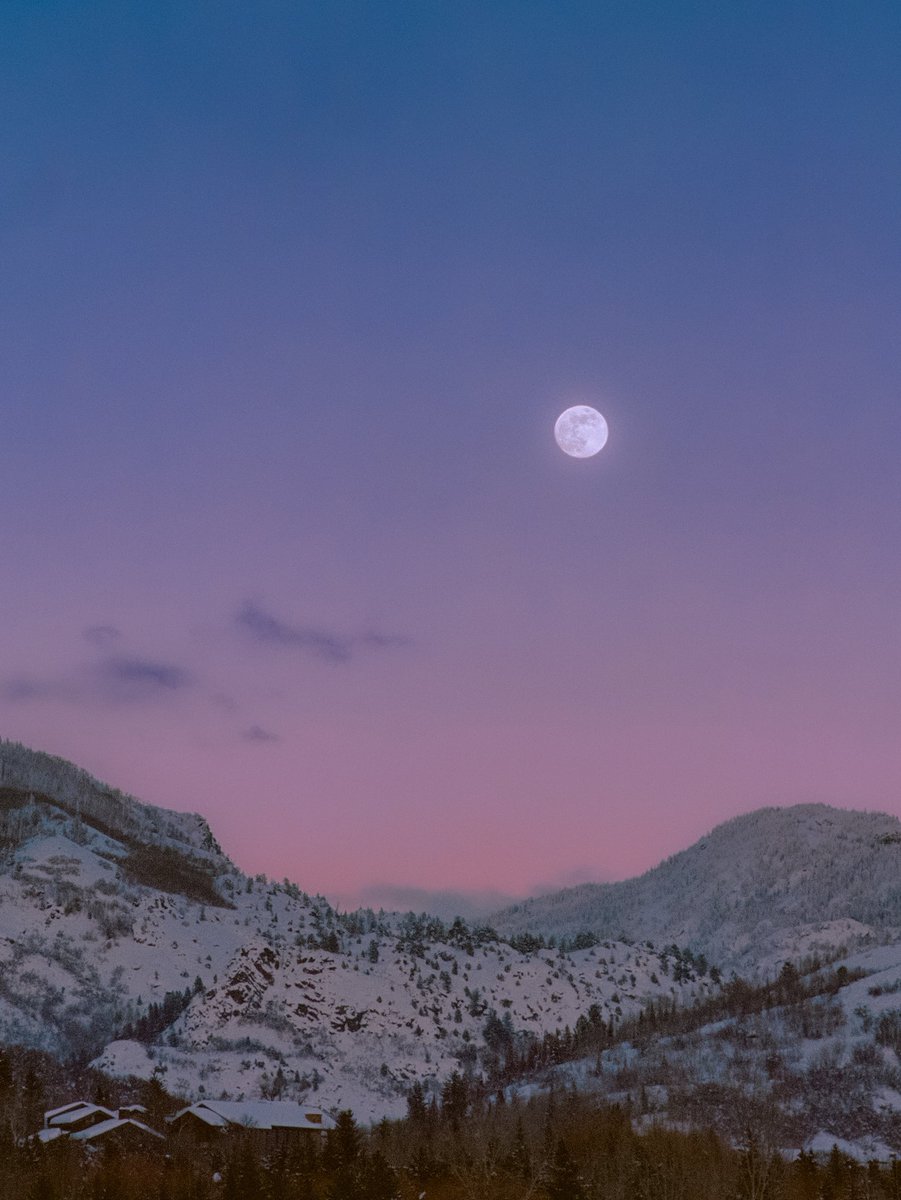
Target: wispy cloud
(383, 641)
(22, 690)
(256, 733)
(101, 636)
(145, 675)
(446, 904)
(109, 681)
(327, 644)
(264, 627)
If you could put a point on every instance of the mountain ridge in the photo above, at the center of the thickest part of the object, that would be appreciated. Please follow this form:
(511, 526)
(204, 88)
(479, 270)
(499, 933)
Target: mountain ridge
(81, 795)
(256, 989)
(179, 966)
(744, 892)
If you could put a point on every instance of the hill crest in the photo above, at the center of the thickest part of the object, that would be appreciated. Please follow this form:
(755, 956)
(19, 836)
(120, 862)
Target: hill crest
(761, 887)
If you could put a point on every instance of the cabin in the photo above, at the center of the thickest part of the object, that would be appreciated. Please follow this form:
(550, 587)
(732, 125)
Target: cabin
(125, 1133)
(77, 1116)
(95, 1125)
(271, 1123)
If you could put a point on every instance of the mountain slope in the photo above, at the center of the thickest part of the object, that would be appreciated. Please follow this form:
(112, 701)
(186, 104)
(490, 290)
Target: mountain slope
(773, 884)
(28, 773)
(126, 935)
(801, 1062)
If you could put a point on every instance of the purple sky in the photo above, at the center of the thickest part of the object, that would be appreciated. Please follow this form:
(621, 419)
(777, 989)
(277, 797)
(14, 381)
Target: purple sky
(291, 298)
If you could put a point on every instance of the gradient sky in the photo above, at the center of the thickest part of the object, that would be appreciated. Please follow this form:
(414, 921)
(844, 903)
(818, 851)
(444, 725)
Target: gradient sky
(291, 295)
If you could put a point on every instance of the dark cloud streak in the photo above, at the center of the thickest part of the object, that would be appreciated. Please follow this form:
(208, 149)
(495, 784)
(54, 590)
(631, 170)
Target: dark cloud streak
(23, 691)
(325, 644)
(144, 673)
(109, 681)
(256, 733)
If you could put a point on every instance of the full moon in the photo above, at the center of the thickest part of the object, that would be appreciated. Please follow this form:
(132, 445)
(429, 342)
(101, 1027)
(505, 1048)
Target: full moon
(581, 431)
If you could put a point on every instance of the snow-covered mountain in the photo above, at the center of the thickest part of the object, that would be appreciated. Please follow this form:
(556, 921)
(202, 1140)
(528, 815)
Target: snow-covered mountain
(127, 935)
(775, 884)
(806, 1067)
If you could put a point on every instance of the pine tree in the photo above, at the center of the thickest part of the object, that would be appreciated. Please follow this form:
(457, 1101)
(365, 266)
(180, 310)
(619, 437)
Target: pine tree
(32, 1099)
(455, 1099)
(416, 1108)
(343, 1146)
(564, 1182)
(520, 1161)
(379, 1181)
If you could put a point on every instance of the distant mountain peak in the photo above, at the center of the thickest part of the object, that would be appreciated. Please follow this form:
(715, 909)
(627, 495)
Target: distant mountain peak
(750, 892)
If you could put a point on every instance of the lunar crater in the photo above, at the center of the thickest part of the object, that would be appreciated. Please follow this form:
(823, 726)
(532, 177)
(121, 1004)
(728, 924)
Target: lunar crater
(581, 431)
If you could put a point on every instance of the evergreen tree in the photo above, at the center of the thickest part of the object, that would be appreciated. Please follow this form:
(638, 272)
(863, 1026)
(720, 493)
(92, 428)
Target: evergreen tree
(378, 1179)
(32, 1100)
(156, 1100)
(342, 1155)
(564, 1182)
(242, 1172)
(344, 1141)
(455, 1099)
(416, 1107)
(520, 1161)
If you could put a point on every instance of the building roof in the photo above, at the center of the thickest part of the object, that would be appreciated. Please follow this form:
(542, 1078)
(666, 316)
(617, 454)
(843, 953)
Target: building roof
(201, 1113)
(55, 1112)
(104, 1127)
(258, 1114)
(49, 1135)
(75, 1112)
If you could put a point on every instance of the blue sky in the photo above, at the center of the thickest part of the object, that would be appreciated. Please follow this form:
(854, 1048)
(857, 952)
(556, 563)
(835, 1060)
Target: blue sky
(292, 296)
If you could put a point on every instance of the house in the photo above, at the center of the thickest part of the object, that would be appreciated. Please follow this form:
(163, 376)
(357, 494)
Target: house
(95, 1125)
(78, 1115)
(272, 1122)
(124, 1132)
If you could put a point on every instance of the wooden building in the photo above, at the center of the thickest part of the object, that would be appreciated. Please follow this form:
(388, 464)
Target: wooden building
(270, 1122)
(94, 1125)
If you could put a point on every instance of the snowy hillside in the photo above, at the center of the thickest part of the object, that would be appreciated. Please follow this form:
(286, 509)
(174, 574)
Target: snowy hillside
(126, 935)
(807, 1066)
(774, 884)
(62, 785)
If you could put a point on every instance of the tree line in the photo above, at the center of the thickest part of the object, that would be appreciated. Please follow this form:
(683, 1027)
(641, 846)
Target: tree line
(557, 1146)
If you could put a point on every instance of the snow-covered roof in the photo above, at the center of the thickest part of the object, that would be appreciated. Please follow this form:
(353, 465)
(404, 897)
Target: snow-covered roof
(259, 1114)
(76, 1112)
(201, 1113)
(64, 1108)
(104, 1127)
(49, 1135)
